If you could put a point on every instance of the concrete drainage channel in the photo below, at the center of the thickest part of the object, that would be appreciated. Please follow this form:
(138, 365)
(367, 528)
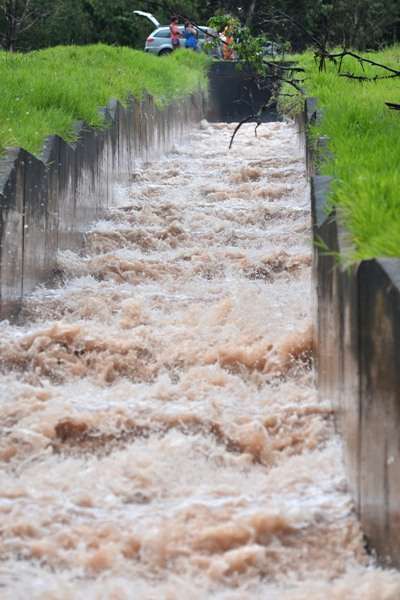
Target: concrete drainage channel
(180, 339)
(358, 347)
(48, 203)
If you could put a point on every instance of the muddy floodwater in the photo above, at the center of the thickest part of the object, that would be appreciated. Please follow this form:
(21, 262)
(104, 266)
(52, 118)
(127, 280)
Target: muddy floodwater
(161, 433)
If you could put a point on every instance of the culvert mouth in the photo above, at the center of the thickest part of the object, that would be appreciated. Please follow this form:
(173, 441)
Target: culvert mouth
(162, 434)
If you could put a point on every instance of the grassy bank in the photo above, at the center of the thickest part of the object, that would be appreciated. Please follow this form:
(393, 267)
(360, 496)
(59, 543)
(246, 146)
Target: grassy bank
(44, 92)
(365, 143)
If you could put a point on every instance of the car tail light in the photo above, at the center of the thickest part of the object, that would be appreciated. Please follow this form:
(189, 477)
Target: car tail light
(150, 40)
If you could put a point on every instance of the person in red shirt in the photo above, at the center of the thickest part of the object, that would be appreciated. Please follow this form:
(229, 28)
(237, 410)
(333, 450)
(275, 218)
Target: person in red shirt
(175, 33)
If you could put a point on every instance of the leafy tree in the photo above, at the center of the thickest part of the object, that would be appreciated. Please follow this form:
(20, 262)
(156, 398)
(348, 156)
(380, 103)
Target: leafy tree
(16, 18)
(360, 24)
(30, 24)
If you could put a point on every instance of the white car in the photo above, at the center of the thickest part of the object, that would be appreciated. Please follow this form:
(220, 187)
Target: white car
(159, 41)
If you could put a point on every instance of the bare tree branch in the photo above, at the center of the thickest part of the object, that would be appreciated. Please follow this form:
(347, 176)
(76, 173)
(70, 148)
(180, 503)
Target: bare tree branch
(240, 125)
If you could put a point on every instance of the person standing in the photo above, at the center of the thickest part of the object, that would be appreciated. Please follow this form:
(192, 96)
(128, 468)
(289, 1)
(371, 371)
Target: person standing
(190, 35)
(227, 47)
(175, 33)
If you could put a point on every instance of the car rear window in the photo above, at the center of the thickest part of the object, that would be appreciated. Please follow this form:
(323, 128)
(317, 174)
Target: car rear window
(163, 33)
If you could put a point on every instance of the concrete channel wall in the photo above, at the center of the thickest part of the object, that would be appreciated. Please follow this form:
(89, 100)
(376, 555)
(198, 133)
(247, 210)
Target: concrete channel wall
(235, 94)
(357, 336)
(47, 203)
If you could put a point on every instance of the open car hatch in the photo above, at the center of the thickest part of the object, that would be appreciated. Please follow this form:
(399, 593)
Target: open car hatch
(148, 16)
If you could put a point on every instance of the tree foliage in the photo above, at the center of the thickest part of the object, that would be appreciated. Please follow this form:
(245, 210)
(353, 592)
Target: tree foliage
(362, 24)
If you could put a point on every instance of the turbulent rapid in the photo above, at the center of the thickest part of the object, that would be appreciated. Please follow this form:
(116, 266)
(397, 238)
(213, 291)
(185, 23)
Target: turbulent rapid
(161, 433)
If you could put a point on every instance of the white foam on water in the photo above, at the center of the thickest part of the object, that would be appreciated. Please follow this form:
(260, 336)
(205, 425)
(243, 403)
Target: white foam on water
(162, 435)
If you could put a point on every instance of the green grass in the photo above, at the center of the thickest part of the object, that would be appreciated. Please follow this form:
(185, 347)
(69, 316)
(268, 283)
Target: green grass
(364, 139)
(45, 92)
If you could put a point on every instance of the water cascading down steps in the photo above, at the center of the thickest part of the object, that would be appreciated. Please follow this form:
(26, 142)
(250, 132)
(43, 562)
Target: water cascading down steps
(162, 436)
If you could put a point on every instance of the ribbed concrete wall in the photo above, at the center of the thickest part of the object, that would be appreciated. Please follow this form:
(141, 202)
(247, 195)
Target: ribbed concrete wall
(47, 203)
(357, 330)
